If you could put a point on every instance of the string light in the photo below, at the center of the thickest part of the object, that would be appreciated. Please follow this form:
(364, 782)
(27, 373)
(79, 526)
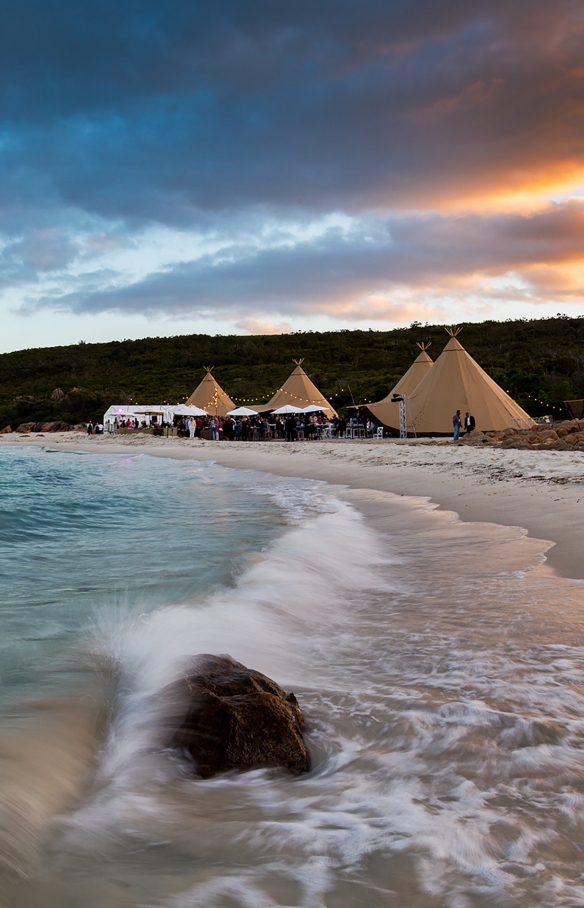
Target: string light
(543, 402)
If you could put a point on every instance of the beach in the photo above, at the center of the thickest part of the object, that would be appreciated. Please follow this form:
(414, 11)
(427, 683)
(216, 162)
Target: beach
(424, 604)
(542, 491)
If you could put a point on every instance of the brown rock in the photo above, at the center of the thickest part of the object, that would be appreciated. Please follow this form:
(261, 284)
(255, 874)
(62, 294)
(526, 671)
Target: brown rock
(511, 441)
(57, 394)
(55, 426)
(548, 434)
(474, 438)
(6, 430)
(237, 718)
(25, 427)
(561, 432)
(573, 439)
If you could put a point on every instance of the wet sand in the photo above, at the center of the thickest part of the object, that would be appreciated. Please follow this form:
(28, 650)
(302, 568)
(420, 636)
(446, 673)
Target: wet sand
(542, 491)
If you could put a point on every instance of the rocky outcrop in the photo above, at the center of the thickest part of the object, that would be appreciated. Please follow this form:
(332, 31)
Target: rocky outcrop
(57, 394)
(234, 718)
(55, 426)
(6, 430)
(566, 436)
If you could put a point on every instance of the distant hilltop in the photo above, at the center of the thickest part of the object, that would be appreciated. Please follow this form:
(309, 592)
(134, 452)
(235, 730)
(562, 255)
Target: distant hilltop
(540, 363)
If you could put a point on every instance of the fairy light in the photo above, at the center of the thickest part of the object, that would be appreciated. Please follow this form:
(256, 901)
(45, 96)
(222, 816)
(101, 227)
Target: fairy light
(543, 402)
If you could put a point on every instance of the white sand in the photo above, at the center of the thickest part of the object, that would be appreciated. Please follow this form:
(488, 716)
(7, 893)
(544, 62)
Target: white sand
(542, 491)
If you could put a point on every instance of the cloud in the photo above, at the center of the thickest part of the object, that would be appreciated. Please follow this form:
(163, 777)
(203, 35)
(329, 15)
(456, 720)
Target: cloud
(391, 270)
(48, 249)
(433, 133)
(161, 111)
(253, 326)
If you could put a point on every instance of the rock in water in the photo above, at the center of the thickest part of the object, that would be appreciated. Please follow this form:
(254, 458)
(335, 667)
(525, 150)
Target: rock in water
(237, 718)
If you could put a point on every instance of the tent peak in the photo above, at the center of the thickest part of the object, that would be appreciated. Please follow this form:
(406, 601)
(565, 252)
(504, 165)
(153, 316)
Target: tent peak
(298, 361)
(423, 345)
(298, 390)
(453, 331)
(210, 396)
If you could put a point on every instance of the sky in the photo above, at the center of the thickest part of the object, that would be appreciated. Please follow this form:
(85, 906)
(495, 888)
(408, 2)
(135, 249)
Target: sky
(248, 166)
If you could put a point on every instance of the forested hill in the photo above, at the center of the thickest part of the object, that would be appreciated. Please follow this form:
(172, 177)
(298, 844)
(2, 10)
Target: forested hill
(540, 363)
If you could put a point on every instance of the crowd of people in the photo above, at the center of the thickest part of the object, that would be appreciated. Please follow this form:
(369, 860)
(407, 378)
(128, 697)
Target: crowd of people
(293, 427)
(130, 423)
(290, 427)
(259, 427)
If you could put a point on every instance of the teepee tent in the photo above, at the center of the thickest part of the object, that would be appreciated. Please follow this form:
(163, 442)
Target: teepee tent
(457, 382)
(210, 396)
(575, 408)
(386, 412)
(299, 391)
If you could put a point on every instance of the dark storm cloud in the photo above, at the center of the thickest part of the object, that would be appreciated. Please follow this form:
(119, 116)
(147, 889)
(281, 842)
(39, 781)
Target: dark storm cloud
(160, 110)
(330, 274)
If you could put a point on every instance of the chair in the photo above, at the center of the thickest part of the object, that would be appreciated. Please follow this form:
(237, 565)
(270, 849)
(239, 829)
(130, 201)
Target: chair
(379, 434)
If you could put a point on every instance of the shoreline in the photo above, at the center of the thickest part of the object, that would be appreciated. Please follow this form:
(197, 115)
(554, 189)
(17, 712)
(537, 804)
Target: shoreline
(540, 491)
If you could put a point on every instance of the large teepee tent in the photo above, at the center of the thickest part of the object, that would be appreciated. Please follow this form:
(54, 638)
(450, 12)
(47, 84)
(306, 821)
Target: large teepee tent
(299, 391)
(386, 412)
(457, 382)
(210, 396)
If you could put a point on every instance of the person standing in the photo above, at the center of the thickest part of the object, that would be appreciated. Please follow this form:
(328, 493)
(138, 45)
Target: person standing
(290, 428)
(469, 422)
(89, 427)
(457, 423)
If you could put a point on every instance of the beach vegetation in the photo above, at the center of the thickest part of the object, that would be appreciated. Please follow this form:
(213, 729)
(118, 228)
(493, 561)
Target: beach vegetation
(540, 363)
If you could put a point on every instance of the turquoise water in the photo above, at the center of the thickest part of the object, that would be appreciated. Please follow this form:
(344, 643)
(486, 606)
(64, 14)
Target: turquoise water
(80, 533)
(439, 667)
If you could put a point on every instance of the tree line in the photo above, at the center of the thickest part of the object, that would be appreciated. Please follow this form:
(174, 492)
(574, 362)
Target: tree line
(540, 363)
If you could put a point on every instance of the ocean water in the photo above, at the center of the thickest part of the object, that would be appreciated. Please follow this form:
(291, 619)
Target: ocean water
(440, 667)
